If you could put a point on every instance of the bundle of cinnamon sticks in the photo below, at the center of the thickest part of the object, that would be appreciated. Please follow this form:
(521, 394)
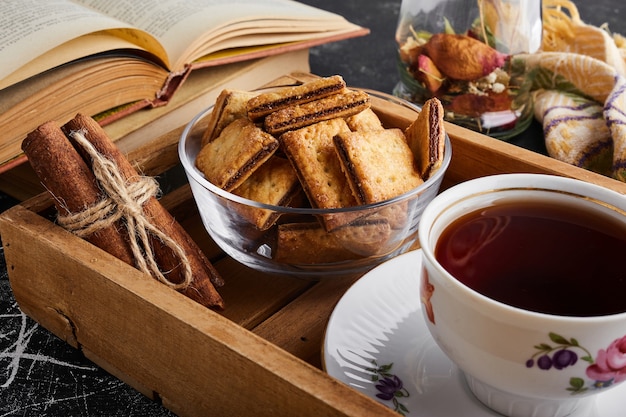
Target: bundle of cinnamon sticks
(101, 197)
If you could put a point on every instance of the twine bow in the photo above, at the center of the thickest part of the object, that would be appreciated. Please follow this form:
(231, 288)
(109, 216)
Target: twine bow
(124, 200)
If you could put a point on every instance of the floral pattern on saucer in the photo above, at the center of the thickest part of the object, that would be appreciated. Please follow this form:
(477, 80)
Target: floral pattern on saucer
(390, 387)
(378, 329)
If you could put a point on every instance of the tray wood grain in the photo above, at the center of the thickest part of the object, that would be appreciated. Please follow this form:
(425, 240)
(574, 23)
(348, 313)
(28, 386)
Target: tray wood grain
(262, 354)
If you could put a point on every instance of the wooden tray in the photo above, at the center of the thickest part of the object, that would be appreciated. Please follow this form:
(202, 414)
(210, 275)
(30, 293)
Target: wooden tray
(263, 353)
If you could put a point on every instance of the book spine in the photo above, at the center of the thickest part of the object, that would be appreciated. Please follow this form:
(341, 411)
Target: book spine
(162, 97)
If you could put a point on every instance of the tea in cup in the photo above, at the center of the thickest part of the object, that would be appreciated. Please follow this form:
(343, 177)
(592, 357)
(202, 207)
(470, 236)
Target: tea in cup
(524, 287)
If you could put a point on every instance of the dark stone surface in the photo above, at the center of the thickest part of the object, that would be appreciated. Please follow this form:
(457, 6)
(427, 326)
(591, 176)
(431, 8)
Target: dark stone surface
(369, 61)
(42, 376)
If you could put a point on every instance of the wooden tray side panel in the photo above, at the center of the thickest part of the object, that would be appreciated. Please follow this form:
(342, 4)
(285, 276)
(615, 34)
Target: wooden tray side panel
(304, 337)
(198, 362)
(475, 155)
(250, 360)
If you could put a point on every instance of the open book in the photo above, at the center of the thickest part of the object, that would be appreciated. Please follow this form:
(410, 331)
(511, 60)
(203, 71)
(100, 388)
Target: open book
(64, 56)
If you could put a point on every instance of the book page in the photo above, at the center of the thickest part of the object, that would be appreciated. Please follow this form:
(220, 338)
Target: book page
(186, 29)
(91, 44)
(185, 26)
(30, 28)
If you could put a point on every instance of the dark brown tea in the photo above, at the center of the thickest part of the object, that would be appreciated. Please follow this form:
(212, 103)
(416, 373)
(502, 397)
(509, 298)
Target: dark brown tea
(540, 256)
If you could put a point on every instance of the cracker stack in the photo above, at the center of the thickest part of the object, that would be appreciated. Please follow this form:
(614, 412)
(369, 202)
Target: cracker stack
(322, 140)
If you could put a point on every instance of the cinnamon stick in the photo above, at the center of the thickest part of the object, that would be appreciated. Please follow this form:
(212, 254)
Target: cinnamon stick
(71, 183)
(64, 169)
(205, 277)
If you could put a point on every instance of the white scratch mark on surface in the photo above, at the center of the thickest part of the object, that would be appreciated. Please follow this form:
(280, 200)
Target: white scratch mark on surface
(56, 401)
(16, 352)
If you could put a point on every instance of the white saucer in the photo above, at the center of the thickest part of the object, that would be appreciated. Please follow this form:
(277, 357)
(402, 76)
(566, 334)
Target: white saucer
(378, 322)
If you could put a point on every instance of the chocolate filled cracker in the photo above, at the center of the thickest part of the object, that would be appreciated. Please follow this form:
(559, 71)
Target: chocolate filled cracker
(309, 243)
(378, 164)
(339, 105)
(312, 154)
(274, 183)
(426, 137)
(364, 121)
(232, 157)
(229, 106)
(266, 103)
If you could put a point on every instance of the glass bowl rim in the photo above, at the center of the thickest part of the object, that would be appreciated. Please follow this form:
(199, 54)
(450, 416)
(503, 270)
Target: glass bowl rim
(190, 169)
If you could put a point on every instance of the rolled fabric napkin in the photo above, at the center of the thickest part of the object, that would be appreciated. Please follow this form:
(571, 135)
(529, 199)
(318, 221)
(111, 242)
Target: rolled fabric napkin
(575, 130)
(565, 31)
(615, 115)
(579, 100)
(579, 91)
(576, 73)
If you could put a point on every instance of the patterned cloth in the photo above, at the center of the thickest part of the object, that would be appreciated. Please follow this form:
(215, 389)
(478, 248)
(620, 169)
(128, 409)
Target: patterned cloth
(579, 78)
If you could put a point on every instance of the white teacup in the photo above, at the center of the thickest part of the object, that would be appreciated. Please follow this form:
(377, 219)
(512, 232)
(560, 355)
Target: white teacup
(517, 361)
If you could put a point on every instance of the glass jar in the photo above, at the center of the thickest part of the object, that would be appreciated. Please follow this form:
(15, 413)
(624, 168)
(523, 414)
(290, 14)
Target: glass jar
(463, 52)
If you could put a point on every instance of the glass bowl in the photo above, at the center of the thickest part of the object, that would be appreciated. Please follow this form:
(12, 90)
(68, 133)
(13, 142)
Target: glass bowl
(381, 230)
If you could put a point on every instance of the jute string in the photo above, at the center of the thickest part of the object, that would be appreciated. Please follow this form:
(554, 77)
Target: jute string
(124, 200)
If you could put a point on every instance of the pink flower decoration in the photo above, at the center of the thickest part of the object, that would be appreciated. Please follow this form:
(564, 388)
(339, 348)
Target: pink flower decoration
(610, 364)
(427, 291)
